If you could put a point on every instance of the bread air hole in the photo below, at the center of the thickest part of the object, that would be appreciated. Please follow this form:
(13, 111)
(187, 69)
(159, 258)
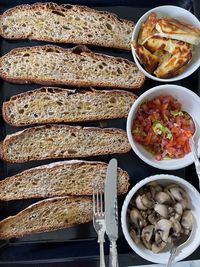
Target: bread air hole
(59, 103)
(108, 26)
(119, 71)
(58, 13)
(66, 28)
(4, 27)
(71, 151)
(21, 111)
(113, 100)
(68, 7)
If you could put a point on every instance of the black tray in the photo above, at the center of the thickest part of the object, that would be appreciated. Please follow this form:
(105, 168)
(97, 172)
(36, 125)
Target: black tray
(77, 246)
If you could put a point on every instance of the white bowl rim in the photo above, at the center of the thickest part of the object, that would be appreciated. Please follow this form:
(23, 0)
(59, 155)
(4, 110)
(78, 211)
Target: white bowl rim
(147, 74)
(129, 123)
(130, 194)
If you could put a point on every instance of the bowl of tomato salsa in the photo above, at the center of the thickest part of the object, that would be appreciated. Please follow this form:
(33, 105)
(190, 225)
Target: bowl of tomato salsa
(161, 123)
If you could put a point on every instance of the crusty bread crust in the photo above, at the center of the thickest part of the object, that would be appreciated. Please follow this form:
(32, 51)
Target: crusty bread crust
(115, 136)
(61, 111)
(85, 175)
(17, 221)
(121, 26)
(135, 80)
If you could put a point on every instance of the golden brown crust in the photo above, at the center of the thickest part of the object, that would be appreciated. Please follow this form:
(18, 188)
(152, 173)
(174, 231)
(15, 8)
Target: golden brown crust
(63, 8)
(82, 50)
(66, 92)
(1, 149)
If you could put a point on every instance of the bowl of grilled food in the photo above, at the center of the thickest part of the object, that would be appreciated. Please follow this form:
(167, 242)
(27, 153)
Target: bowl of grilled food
(165, 43)
(157, 211)
(160, 124)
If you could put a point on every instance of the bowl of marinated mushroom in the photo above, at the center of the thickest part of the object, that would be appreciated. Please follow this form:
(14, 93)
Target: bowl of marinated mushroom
(157, 211)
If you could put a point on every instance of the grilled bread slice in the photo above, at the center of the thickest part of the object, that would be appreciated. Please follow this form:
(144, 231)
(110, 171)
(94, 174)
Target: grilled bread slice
(53, 65)
(172, 28)
(47, 215)
(49, 105)
(62, 141)
(66, 24)
(73, 177)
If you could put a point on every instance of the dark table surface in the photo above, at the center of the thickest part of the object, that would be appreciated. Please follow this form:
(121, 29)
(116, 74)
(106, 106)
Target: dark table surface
(43, 251)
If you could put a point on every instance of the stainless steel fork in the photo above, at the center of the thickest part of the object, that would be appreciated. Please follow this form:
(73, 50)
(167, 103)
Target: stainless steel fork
(99, 221)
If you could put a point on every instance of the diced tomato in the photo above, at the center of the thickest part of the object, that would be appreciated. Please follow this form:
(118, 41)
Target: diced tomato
(163, 128)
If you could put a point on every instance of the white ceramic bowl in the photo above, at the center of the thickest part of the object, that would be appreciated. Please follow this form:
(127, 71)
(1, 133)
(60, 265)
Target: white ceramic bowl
(182, 15)
(190, 103)
(194, 241)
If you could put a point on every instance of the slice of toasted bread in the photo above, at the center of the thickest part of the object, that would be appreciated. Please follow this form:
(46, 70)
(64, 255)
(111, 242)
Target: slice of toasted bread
(66, 24)
(172, 28)
(147, 28)
(73, 177)
(53, 65)
(63, 141)
(47, 215)
(50, 104)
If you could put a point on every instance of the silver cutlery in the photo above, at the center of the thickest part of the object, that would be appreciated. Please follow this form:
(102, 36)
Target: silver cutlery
(111, 212)
(179, 242)
(99, 221)
(193, 146)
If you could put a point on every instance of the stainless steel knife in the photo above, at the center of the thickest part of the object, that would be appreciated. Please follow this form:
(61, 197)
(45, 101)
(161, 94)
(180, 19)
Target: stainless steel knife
(111, 212)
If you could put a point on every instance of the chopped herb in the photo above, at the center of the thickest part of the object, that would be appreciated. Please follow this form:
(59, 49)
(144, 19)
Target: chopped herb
(159, 129)
(167, 158)
(136, 130)
(177, 113)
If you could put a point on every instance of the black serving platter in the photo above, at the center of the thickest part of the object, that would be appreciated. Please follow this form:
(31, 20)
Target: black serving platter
(78, 246)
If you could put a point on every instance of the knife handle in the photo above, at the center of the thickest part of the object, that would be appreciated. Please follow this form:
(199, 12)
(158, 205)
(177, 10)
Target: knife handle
(113, 258)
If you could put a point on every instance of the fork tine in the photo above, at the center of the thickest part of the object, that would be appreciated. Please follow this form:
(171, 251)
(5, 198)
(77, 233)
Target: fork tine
(101, 201)
(94, 202)
(97, 195)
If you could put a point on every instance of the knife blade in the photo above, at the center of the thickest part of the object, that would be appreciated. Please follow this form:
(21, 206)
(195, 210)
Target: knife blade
(111, 212)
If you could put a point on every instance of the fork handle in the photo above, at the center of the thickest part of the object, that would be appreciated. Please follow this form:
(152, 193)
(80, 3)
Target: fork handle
(172, 255)
(102, 258)
(113, 259)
